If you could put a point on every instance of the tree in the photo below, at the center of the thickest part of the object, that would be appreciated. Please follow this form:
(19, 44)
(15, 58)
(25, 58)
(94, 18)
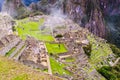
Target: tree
(58, 37)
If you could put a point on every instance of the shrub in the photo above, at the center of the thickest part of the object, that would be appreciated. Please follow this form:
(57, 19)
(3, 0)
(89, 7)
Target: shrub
(106, 71)
(51, 54)
(59, 36)
(87, 49)
(115, 49)
(13, 28)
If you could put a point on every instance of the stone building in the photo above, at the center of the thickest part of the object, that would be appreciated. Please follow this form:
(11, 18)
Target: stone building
(35, 54)
(6, 23)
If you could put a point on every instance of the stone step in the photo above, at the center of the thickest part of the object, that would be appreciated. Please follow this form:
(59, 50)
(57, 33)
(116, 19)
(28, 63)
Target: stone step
(20, 53)
(18, 47)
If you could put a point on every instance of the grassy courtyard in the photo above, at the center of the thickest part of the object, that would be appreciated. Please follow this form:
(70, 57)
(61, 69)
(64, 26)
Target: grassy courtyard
(26, 27)
(56, 48)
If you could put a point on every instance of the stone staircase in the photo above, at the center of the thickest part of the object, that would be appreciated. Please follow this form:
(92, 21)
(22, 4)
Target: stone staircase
(18, 47)
(20, 53)
(8, 43)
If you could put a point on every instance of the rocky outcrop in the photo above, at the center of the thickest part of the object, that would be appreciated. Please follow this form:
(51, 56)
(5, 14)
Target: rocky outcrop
(111, 12)
(101, 17)
(110, 7)
(87, 13)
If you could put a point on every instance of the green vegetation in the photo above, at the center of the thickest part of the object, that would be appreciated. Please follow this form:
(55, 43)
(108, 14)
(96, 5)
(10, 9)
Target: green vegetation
(115, 50)
(10, 52)
(45, 70)
(58, 36)
(70, 59)
(58, 68)
(110, 73)
(19, 50)
(10, 70)
(99, 50)
(26, 27)
(87, 49)
(28, 14)
(21, 77)
(55, 48)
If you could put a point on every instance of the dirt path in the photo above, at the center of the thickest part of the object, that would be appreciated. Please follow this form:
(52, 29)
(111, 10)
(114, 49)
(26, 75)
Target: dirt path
(48, 61)
(64, 56)
(49, 66)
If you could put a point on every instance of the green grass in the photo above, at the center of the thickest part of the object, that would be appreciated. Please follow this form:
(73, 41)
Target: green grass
(69, 59)
(55, 48)
(10, 52)
(21, 77)
(58, 67)
(10, 70)
(30, 28)
(99, 53)
(45, 70)
(99, 50)
(109, 73)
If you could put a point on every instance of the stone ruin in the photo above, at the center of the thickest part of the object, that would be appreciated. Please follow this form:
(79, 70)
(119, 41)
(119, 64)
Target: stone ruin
(74, 41)
(30, 52)
(7, 43)
(35, 54)
(6, 23)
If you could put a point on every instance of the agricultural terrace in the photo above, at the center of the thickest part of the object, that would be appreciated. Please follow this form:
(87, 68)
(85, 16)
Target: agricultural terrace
(55, 49)
(27, 27)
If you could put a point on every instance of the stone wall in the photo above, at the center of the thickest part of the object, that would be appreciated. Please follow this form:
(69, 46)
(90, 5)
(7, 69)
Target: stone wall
(6, 23)
(34, 54)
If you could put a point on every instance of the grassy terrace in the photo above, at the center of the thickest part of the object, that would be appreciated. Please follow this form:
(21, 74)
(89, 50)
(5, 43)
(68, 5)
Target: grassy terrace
(17, 71)
(70, 59)
(10, 52)
(26, 27)
(55, 48)
(99, 50)
(58, 68)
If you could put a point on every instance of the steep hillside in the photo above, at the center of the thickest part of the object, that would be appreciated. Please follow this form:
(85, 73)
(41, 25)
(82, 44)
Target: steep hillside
(11, 70)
